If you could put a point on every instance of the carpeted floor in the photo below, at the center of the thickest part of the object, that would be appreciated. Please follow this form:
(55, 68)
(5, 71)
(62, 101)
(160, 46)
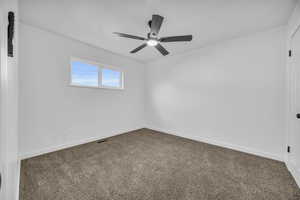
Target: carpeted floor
(149, 165)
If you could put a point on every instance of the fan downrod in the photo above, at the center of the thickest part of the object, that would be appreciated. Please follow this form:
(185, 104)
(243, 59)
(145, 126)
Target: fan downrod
(149, 34)
(149, 23)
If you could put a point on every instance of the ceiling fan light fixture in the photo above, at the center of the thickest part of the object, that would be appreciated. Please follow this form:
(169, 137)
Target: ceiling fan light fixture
(152, 42)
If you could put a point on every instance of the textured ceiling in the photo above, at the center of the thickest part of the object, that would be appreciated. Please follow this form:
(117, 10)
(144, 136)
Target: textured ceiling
(93, 21)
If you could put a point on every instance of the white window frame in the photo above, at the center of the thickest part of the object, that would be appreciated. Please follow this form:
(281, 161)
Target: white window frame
(100, 67)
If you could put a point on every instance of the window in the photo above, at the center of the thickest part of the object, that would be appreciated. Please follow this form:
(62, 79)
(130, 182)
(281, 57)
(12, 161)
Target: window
(111, 78)
(84, 74)
(89, 74)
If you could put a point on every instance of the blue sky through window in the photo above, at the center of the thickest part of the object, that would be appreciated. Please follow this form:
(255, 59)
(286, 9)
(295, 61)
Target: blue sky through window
(84, 74)
(111, 78)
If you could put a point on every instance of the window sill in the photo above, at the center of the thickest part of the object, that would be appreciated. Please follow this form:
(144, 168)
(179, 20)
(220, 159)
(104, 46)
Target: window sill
(95, 87)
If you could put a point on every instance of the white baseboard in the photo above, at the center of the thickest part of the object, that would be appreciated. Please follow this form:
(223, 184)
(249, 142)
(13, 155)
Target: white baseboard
(197, 138)
(294, 171)
(222, 144)
(18, 179)
(27, 155)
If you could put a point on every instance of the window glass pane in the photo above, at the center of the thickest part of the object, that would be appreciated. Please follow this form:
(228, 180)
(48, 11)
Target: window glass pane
(84, 74)
(111, 78)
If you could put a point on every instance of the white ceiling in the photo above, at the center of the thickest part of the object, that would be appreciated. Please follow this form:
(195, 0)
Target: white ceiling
(93, 21)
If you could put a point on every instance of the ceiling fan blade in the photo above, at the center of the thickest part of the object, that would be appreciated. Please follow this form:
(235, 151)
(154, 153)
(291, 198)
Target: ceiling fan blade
(161, 49)
(139, 48)
(129, 36)
(182, 38)
(156, 24)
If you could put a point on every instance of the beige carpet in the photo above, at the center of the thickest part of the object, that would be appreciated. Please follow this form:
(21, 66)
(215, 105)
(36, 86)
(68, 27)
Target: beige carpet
(149, 165)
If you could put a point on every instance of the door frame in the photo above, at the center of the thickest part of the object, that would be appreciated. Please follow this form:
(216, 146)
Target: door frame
(10, 164)
(3, 168)
(291, 100)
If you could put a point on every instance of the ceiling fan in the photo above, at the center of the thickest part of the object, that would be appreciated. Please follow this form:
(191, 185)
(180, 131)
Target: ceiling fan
(152, 38)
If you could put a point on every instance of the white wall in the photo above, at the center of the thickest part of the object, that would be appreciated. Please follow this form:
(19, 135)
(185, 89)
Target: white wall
(54, 115)
(231, 94)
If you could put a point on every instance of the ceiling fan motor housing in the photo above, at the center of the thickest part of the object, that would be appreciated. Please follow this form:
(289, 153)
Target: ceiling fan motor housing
(152, 36)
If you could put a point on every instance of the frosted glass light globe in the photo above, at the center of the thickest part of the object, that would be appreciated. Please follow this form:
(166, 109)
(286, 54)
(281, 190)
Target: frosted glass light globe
(152, 42)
